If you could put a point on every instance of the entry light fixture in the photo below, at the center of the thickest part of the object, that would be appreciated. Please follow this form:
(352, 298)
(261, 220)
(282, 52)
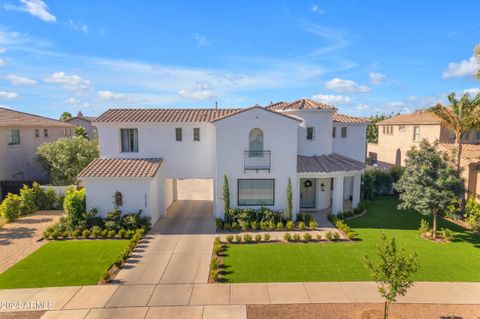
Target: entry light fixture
(322, 187)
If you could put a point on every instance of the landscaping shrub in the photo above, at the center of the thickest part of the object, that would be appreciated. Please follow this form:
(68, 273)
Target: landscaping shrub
(287, 236)
(244, 225)
(219, 223)
(29, 199)
(307, 237)
(312, 225)
(46, 233)
(10, 207)
(266, 237)
(104, 233)
(264, 217)
(122, 233)
(254, 225)
(379, 182)
(318, 236)
(301, 226)
(85, 233)
(279, 226)
(54, 234)
(129, 233)
(271, 225)
(230, 238)
(96, 231)
(111, 233)
(340, 224)
(258, 237)
(217, 248)
(472, 213)
(75, 233)
(447, 234)
(296, 237)
(65, 234)
(290, 225)
(74, 205)
(238, 238)
(424, 227)
(336, 236)
(247, 238)
(329, 236)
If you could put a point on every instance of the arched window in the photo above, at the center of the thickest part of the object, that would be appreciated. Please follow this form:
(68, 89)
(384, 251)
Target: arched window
(256, 142)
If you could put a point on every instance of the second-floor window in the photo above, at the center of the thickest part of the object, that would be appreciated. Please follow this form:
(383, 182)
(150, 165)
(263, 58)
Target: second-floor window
(13, 137)
(310, 133)
(344, 132)
(178, 134)
(334, 132)
(45, 132)
(196, 134)
(416, 133)
(402, 128)
(255, 142)
(129, 137)
(37, 132)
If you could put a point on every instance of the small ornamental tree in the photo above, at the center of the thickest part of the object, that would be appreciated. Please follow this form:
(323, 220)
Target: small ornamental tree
(393, 271)
(226, 196)
(289, 200)
(81, 132)
(429, 184)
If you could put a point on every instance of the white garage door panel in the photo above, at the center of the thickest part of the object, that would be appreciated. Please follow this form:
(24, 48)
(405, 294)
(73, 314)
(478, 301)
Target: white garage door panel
(195, 189)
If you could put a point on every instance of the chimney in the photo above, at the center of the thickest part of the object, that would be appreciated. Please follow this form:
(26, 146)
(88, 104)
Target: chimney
(216, 105)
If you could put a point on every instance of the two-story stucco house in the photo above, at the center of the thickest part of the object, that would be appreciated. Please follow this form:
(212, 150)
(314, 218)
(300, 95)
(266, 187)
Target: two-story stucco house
(20, 135)
(144, 153)
(85, 122)
(398, 134)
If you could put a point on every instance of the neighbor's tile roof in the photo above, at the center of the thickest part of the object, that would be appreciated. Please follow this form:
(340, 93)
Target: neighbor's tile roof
(327, 164)
(163, 115)
(302, 104)
(11, 118)
(470, 152)
(342, 118)
(412, 119)
(122, 167)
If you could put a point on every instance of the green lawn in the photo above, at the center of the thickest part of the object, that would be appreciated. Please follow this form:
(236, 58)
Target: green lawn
(455, 261)
(64, 263)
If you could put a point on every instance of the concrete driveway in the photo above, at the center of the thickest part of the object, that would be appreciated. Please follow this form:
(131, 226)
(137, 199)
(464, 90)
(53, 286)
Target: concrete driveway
(178, 249)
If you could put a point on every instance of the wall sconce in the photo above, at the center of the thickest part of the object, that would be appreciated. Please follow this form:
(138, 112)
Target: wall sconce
(322, 187)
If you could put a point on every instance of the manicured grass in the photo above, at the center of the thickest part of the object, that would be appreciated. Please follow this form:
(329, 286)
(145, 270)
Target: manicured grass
(454, 261)
(64, 263)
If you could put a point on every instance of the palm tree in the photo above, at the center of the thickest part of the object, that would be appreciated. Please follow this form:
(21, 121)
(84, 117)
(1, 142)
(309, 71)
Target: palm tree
(477, 55)
(461, 116)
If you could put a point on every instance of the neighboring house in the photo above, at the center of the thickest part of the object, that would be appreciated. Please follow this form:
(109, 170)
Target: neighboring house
(85, 122)
(21, 134)
(145, 152)
(398, 134)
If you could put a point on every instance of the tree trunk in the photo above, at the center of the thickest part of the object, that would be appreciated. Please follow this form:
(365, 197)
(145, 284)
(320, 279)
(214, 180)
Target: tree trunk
(385, 310)
(434, 224)
(459, 151)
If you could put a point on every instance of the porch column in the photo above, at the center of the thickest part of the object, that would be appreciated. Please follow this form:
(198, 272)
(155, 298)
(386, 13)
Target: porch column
(356, 190)
(337, 196)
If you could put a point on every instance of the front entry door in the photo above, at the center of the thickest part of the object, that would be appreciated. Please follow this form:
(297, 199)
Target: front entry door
(307, 192)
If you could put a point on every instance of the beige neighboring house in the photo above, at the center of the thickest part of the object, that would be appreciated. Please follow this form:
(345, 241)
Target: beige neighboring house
(86, 122)
(398, 134)
(20, 135)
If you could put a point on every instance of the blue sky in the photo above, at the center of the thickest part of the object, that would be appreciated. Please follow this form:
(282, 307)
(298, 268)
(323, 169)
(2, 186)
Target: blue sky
(365, 57)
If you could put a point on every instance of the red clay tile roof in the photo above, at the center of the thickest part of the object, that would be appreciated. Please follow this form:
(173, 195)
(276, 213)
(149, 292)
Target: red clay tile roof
(122, 167)
(327, 164)
(257, 107)
(412, 119)
(470, 152)
(11, 118)
(342, 118)
(164, 115)
(302, 104)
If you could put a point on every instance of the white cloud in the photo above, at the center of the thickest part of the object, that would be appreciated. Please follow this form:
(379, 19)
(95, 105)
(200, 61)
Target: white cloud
(341, 86)
(118, 97)
(36, 8)
(316, 8)
(201, 40)
(332, 99)
(20, 80)
(464, 68)
(8, 95)
(77, 103)
(472, 91)
(2, 62)
(376, 78)
(362, 107)
(77, 26)
(202, 92)
(70, 82)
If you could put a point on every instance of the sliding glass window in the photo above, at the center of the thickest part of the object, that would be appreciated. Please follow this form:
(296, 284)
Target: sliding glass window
(256, 192)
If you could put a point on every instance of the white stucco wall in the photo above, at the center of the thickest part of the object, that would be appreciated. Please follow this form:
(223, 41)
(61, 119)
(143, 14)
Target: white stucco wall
(323, 197)
(354, 145)
(185, 159)
(232, 139)
(170, 190)
(136, 195)
(321, 121)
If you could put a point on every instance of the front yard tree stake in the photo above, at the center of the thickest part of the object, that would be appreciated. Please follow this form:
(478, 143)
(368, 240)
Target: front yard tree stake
(393, 271)
(226, 196)
(429, 183)
(289, 199)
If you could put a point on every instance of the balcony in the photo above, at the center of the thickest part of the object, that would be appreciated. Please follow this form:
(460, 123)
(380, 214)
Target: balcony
(256, 161)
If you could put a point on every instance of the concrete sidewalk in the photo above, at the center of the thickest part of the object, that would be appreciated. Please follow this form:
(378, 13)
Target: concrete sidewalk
(201, 300)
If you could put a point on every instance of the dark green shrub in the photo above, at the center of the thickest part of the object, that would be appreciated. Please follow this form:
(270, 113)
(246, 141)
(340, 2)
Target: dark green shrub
(287, 236)
(244, 225)
(96, 231)
(307, 237)
(279, 226)
(254, 225)
(65, 234)
(75, 233)
(129, 233)
(290, 225)
(230, 238)
(111, 225)
(258, 237)
(266, 237)
(219, 223)
(104, 233)
(29, 199)
(122, 233)
(247, 238)
(111, 233)
(86, 233)
(10, 207)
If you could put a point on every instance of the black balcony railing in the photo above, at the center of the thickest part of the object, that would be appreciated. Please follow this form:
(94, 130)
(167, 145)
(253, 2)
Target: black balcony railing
(256, 161)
